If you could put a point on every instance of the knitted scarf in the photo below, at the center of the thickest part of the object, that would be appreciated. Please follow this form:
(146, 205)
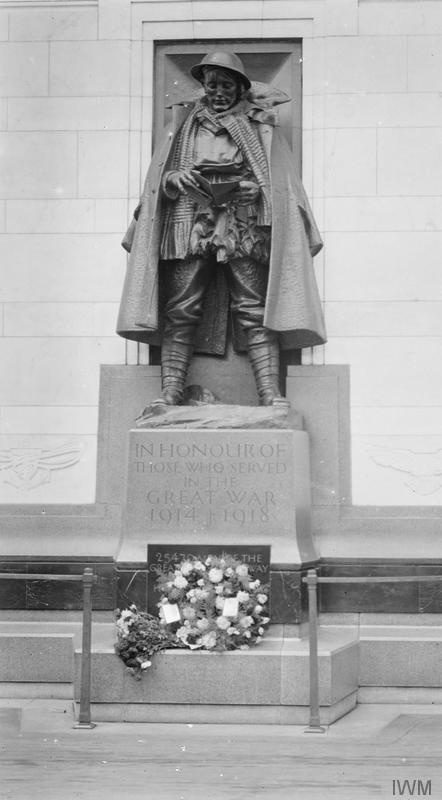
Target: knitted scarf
(178, 217)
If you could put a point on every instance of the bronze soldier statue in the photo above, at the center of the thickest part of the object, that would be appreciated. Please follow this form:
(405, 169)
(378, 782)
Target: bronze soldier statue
(222, 192)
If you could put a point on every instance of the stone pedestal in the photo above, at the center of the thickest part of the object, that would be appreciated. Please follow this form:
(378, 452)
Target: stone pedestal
(225, 486)
(219, 487)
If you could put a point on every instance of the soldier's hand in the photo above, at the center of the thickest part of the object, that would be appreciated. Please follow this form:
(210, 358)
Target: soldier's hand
(246, 193)
(181, 180)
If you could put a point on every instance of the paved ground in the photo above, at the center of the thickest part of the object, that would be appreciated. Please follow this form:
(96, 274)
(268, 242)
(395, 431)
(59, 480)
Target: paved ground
(358, 758)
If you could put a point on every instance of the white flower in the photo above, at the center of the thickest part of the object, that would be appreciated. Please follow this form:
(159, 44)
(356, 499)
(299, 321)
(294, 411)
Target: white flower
(199, 565)
(243, 597)
(201, 582)
(257, 609)
(247, 634)
(169, 584)
(188, 613)
(123, 627)
(186, 568)
(219, 589)
(262, 598)
(193, 600)
(219, 603)
(260, 631)
(254, 584)
(215, 575)
(126, 614)
(145, 664)
(182, 633)
(242, 570)
(228, 572)
(208, 640)
(203, 624)
(231, 631)
(180, 581)
(208, 561)
(198, 593)
(245, 622)
(223, 623)
(244, 647)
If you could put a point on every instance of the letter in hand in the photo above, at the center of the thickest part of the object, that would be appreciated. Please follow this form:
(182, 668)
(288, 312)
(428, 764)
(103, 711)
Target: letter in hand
(219, 192)
(204, 192)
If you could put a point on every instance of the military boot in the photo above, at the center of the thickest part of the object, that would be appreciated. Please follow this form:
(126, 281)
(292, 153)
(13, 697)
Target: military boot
(175, 359)
(263, 349)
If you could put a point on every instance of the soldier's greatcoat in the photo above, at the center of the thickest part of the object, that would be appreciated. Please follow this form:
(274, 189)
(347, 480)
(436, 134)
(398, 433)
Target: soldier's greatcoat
(293, 306)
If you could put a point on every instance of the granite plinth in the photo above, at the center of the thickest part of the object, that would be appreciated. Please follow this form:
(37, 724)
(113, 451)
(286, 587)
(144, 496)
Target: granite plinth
(268, 682)
(218, 487)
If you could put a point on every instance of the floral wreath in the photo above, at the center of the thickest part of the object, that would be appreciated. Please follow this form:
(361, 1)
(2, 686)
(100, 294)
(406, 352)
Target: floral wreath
(217, 603)
(212, 605)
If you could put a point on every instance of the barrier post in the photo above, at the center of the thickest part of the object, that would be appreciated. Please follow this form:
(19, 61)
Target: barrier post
(84, 717)
(314, 725)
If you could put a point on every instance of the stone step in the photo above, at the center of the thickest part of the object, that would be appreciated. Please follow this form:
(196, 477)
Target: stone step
(408, 656)
(268, 683)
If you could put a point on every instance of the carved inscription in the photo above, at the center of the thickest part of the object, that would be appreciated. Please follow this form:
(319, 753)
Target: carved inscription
(164, 558)
(210, 483)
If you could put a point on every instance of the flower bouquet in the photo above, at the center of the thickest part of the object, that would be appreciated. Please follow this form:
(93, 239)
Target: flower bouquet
(215, 605)
(139, 636)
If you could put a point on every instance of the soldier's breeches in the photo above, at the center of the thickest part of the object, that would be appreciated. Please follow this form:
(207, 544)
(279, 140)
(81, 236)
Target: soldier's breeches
(186, 283)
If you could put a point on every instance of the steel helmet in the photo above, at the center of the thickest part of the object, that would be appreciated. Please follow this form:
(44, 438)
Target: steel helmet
(221, 59)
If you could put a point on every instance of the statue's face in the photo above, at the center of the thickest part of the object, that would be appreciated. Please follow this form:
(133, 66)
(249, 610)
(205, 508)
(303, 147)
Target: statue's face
(221, 88)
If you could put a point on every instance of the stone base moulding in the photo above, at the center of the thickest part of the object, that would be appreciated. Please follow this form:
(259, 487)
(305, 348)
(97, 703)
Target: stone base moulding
(220, 714)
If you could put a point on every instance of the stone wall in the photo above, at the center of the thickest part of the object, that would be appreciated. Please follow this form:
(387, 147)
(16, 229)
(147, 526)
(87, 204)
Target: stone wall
(75, 131)
(381, 176)
(64, 140)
